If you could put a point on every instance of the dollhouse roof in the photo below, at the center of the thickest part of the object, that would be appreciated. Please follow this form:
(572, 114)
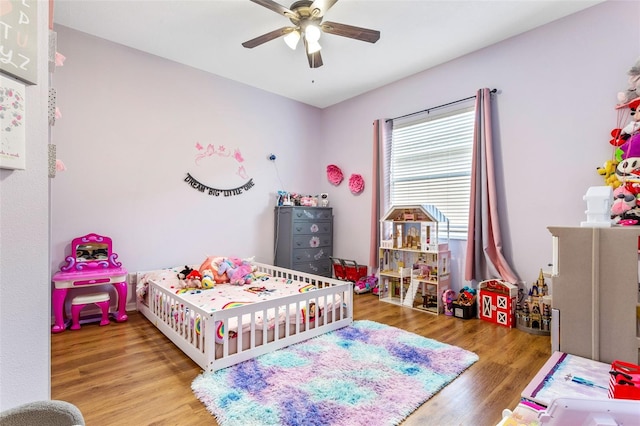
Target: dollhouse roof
(421, 212)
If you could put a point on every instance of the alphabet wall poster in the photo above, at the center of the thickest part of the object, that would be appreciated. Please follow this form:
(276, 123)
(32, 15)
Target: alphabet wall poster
(12, 127)
(19, 39)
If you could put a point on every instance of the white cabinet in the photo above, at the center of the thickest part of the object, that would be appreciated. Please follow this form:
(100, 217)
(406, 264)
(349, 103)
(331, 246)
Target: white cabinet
(414, 257)
(595, 292)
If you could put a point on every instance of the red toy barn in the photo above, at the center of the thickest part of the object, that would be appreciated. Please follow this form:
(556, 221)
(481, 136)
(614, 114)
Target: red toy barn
(498, 302)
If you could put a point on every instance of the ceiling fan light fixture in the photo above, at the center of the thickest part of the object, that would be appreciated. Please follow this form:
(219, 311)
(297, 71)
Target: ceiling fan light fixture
(312, 33)
(313, 47)
(307, 19)
(292, 39)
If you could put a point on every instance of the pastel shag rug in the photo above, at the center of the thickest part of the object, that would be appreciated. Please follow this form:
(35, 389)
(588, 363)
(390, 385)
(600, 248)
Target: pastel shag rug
(364, 374)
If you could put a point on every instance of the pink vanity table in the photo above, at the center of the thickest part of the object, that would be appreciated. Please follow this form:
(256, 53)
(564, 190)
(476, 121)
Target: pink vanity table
(91, 263)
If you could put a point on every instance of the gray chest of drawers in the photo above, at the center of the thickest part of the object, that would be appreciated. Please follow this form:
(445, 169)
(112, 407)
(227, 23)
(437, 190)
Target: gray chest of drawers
(304, 239)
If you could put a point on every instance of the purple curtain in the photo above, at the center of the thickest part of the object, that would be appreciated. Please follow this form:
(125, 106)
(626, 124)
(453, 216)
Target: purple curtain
(380, 191)
(484, 244)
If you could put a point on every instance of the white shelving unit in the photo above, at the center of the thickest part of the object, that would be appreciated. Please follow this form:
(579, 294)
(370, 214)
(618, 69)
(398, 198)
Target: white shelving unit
(414, 257)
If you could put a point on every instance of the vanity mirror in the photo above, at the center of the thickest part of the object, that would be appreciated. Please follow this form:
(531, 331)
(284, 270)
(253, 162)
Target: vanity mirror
(96, 251)
(91, 251)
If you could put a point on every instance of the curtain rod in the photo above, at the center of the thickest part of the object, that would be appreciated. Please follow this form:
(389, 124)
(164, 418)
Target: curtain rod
(436, 107)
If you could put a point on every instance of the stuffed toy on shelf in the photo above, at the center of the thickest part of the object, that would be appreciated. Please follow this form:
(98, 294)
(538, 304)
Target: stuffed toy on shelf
(633, 89)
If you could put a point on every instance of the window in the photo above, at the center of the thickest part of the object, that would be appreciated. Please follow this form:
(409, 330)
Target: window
(430, 163)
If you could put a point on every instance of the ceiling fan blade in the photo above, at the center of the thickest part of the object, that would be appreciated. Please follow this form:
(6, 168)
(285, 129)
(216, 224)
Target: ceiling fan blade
(267, 37)
(277, 7)
(350, 31)
(321, 6)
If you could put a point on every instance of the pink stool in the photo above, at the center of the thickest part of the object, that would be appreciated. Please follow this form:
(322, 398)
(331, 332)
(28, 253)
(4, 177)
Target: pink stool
(100, 299)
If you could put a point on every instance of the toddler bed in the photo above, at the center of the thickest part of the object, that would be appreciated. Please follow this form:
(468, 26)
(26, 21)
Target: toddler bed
(230, 323)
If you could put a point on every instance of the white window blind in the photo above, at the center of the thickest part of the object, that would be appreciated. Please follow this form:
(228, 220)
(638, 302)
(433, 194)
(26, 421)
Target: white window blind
(431, 164)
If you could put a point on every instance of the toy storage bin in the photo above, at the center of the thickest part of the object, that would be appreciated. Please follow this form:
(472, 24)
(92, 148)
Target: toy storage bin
(464, 311)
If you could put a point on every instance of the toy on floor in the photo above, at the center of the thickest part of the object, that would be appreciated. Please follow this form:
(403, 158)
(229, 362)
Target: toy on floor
(365, 284)
(465, 306)
(448, 296)
(533, 312)
(348, 270)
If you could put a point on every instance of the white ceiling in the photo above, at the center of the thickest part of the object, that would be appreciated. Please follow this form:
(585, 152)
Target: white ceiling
(207, 34)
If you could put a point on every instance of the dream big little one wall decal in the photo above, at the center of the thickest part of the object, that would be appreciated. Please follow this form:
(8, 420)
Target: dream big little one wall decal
(224, 164)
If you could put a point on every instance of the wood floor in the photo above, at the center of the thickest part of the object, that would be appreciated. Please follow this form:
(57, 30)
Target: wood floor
(130, 374)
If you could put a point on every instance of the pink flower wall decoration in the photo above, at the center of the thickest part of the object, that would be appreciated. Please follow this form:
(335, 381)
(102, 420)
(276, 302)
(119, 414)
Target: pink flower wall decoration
(334, 174)
(356, 183)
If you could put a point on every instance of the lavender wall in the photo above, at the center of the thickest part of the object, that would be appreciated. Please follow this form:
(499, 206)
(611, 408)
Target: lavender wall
(130, 123)
(558, 87)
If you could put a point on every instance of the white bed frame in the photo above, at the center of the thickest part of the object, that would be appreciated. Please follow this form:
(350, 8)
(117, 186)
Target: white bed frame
(202, 348)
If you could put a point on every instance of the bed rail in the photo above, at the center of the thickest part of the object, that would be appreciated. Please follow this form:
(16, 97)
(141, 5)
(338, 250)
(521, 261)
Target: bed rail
(216, 340)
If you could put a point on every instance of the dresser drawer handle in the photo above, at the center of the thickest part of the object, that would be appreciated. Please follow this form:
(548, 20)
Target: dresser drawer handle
(90, 282)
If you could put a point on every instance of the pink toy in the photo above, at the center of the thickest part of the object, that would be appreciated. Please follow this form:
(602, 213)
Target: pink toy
(366, 284)
(623, 201)
(91, 263)
(448, 296)
(242, 274)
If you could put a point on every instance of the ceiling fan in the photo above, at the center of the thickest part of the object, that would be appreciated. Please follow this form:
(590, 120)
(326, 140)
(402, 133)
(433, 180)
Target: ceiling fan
(306, 17)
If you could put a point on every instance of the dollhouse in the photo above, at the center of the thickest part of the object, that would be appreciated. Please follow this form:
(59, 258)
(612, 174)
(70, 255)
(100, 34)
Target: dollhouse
(414, 257)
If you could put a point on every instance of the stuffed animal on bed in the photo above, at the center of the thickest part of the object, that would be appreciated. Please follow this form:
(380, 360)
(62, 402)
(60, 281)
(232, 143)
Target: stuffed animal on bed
(192, 280)
(226, 266)
(212, 263)
(228, 270)
(207, 279)
(242, 274)
(183, 274)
